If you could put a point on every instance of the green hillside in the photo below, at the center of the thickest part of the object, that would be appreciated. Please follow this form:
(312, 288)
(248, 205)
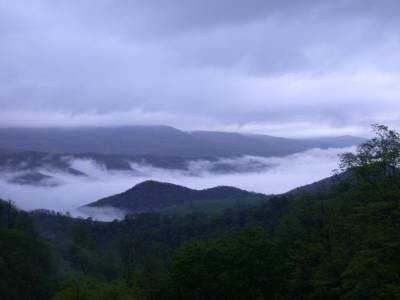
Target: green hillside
(340, 243)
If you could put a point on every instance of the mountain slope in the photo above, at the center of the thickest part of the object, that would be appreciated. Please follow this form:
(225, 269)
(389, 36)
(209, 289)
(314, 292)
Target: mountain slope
(158, 141)
(175, 199)
(134, 140)
(266, 145)
(154, 196)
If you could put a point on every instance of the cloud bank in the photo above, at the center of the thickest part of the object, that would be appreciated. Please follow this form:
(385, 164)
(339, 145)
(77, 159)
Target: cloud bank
(282, 174)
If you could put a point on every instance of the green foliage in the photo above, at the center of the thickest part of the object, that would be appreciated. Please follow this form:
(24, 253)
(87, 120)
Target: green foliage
(346, 245)
(25, 266)
(212, 207)
(87, 288)
(382, 151)
(12, 218)
(340, 244)
(239, 266)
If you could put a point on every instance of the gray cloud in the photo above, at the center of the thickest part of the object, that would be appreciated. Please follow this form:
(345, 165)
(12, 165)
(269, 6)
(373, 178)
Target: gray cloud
(278, 67)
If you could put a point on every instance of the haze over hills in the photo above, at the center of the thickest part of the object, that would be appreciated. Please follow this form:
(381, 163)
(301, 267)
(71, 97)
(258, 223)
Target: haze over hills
(159, 141)
(347, 218)
(42, 156)
(42, 169)
(199, 150)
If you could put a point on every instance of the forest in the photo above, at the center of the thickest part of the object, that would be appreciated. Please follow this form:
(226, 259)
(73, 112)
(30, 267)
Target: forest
(341, 242)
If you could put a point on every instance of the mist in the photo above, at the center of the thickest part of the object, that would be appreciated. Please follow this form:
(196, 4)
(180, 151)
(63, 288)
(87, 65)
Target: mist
(278, 175)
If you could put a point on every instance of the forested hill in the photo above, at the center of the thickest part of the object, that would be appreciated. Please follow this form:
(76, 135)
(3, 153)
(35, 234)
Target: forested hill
(155, 196)
(340, 244)
(158, 141)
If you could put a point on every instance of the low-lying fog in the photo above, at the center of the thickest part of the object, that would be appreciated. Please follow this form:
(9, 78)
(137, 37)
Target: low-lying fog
(283, 174)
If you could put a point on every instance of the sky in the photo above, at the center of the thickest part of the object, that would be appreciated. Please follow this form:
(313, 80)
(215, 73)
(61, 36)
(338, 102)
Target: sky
(286, 68)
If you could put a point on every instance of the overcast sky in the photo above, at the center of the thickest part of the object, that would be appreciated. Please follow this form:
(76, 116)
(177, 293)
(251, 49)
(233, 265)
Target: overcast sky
(289, 68)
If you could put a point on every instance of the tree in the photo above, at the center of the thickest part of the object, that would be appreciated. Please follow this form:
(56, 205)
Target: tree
(26, 266)
(381, 153)
(370, 212)
(238, 266)
(89, 288)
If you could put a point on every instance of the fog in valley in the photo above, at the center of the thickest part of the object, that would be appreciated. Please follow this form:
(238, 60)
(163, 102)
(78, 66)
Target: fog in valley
(278, 175)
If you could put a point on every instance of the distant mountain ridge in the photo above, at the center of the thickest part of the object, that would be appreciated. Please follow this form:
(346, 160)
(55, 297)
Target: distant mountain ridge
(159, 141)
(171, 198)
(155, 196)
